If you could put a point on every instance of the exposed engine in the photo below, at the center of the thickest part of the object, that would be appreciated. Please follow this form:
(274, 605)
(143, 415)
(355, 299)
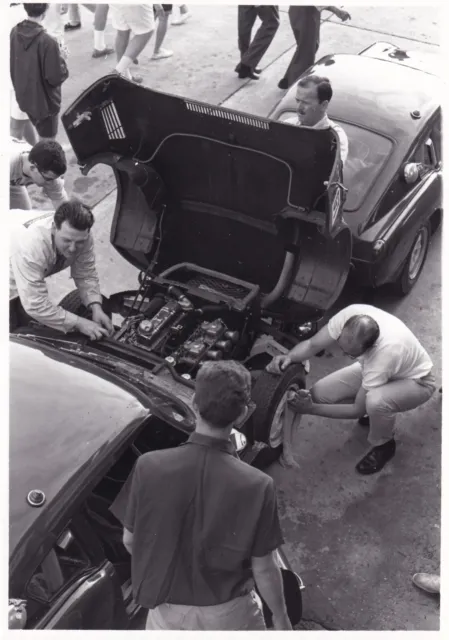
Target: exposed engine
(185, 334)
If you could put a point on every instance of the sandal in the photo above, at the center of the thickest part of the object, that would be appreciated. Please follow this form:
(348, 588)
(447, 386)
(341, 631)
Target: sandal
(377, 458)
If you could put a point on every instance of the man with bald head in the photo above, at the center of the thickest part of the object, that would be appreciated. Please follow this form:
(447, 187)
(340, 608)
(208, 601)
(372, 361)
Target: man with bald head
(392, 374)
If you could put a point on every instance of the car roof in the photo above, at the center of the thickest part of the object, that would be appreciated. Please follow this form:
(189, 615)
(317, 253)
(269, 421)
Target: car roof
(63, 415)
(376, 94)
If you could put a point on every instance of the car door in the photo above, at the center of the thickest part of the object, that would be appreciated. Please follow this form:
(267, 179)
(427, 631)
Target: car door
(74, 587)
(404, 208)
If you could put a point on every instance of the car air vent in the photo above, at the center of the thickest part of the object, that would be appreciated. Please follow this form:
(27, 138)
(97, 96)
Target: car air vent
(226, 115)
(114, 127)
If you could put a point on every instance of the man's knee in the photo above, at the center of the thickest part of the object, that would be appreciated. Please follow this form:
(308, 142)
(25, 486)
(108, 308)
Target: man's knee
(318, 392)
(376, 402)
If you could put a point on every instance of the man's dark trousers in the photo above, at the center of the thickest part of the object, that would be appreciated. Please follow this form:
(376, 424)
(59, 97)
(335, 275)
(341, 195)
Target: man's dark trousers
(252, 52)
(305, 24)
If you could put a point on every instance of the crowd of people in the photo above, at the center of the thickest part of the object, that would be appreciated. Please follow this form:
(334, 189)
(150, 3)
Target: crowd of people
(205, 563)
(40, 56)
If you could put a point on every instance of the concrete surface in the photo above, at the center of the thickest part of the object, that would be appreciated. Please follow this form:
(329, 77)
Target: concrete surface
(356, 541)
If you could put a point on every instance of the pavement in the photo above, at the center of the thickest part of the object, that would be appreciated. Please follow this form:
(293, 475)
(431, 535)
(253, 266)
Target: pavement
(356, 541)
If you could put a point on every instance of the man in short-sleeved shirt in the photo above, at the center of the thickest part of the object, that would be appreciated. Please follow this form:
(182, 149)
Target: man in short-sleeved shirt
(392, 374)
(202, 525)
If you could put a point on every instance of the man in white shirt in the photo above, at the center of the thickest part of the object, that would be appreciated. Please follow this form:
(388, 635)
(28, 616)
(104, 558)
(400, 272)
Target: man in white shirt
(393, 373)
(44, 246)
(313, 95)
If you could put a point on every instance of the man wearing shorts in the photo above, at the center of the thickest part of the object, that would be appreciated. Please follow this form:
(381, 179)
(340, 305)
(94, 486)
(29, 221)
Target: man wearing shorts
(138, 18)
(38, 70)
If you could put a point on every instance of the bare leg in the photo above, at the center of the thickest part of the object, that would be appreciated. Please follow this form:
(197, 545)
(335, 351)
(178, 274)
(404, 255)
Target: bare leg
(137, 45)
(161, 32)
(23, 129)
(134, 47)
(121, 42)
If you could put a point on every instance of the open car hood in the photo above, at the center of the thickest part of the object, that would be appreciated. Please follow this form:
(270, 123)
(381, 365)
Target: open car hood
(207, 185)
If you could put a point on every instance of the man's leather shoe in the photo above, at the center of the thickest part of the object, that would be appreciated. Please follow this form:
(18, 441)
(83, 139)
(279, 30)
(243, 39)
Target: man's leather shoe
(247, 72)
(377, 458)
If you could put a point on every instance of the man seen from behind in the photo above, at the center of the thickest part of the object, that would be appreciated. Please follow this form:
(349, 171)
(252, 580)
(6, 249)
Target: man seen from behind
(202, 526)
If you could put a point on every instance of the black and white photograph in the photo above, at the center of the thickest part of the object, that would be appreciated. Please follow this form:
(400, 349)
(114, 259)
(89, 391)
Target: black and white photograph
(224, 382)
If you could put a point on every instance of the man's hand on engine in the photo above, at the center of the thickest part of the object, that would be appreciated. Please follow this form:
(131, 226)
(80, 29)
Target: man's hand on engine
(100, 317)
(91, 329)
(279, 364)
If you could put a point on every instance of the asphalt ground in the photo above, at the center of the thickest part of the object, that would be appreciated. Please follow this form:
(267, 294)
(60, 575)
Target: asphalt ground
(356, 541)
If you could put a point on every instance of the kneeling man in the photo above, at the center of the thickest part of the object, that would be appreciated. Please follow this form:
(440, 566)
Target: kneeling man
(393, 373)
(43, 247)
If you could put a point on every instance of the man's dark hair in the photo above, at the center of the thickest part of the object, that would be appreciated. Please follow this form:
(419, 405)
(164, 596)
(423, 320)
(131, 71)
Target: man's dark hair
(322, 84)
(364, 329)
(222, 391)
(78, 215)
(34, 9)
(48, 155)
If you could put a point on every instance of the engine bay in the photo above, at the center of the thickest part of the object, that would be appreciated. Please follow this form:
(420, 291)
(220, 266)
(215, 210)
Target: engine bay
(185, 325)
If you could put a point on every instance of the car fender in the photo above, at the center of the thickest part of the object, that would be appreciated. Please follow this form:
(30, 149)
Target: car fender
(397, 240)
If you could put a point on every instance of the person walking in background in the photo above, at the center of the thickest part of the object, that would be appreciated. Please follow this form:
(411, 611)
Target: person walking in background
(42, 165)
(38, 70)
(252, 52)
(305, 24)
(138, 19)
(184, 15)
(100, 12)
(209, 533)
(161, 32)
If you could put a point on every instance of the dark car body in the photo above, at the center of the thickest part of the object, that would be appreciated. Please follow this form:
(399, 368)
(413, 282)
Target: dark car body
(70, 452)
(388, 101)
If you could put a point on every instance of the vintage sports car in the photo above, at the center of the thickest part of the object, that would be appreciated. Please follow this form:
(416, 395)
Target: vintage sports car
(388, 102)
(77, 426)
(240, 246)
(234, 224)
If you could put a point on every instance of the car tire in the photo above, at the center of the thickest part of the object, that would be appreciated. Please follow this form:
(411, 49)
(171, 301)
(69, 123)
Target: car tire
(72, 302)
(415, 261)
(269, 392)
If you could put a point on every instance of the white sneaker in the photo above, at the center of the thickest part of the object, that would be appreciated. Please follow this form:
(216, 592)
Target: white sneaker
(182, 18)
(162, 53)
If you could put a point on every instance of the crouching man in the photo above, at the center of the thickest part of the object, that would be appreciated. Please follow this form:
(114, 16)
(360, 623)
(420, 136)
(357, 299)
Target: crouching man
(393, 373)
(201, 525)
(44, 247)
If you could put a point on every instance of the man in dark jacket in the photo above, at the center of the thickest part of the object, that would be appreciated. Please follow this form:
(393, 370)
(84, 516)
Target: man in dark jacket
(37, 71)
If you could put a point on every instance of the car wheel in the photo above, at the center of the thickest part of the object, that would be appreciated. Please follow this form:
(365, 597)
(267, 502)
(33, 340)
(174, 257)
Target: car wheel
(269, 393)
(415, 261)
(72, 302)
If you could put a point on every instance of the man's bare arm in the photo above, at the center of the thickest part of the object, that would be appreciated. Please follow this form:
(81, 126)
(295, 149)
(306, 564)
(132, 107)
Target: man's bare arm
(268, 578)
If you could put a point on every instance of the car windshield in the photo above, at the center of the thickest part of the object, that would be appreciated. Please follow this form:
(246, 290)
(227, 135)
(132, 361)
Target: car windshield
(368, 152)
